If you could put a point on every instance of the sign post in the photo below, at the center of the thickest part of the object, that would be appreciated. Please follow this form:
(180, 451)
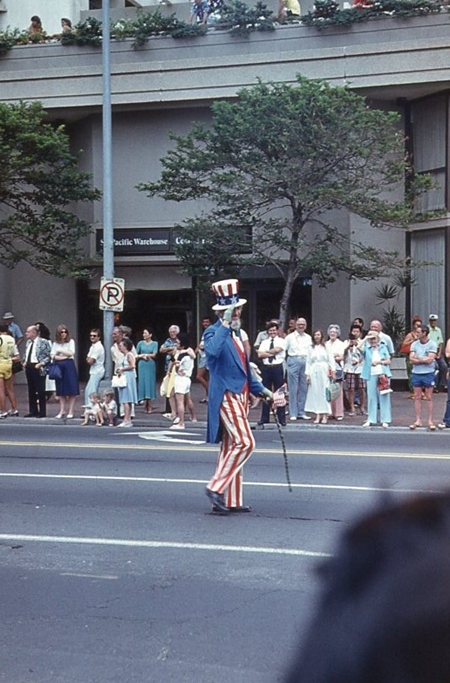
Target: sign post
(108, 230)
(112, 294)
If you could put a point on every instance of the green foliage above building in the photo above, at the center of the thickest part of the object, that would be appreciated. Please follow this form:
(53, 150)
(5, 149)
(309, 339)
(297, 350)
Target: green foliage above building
(40, 190)
(279, 164)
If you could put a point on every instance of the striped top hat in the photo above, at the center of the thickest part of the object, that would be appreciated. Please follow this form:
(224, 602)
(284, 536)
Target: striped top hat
(227, 294)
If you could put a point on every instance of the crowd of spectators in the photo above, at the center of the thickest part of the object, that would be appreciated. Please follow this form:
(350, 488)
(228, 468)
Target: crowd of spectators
(325, 375)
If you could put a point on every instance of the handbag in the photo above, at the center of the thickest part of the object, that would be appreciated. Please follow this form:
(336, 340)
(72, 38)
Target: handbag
(163, 389)
(405, 348)
(384, 384)
(16, 367)
(54, 371)
(118, 381)
(339, 373)
(332, 391)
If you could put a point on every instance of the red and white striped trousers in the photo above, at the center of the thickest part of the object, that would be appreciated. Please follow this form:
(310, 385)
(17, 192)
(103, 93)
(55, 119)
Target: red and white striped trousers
(237, 446)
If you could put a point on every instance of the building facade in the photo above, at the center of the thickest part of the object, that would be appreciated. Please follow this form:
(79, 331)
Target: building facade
(167, 85)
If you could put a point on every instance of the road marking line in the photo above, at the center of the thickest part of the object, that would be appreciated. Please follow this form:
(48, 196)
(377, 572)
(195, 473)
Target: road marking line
(174, 480)
(207, 448)
(105, 577)
(162, 544)
(165, 436)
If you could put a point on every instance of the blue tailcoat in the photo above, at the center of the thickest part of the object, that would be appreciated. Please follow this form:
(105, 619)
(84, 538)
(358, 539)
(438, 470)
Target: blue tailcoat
(226, 373)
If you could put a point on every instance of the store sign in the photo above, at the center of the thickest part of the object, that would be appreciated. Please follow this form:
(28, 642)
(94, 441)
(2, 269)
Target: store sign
(139, 241)
(152, 241)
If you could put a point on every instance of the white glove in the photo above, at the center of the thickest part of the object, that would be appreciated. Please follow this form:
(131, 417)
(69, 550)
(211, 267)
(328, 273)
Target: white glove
(256, 372)
(229, 313)
(267, 394)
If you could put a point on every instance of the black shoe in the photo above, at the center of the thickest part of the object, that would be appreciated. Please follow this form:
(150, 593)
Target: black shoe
(217, 500)
(241, 508)
(30, 415)
(215, 510)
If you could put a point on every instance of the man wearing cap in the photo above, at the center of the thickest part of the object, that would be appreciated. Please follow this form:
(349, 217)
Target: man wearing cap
(230, 384)
(435, 335)
(14, 329)
(422, 357)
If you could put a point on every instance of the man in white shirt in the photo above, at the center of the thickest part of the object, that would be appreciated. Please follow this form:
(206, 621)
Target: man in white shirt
(271, 353)
(96, 361)
(296, 345)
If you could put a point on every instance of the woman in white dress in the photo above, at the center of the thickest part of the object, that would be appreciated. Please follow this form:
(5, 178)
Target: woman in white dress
(337, 348)
(320, 366)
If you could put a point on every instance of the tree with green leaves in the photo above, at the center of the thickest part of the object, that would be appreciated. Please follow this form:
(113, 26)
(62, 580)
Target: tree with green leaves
(275, 166)
(40, 190)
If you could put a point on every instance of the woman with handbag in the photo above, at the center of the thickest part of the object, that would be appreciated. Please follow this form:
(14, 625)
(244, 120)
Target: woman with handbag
(7, 352)
(66, 375)
(319, 369)
(127, 371)
(377, 373)
(337, 348)
(183, 365)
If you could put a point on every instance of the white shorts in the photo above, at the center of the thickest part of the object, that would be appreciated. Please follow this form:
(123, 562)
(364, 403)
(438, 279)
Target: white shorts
(182, 384)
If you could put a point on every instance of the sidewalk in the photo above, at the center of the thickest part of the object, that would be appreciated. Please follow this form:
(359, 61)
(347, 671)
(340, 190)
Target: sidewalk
(402, 411)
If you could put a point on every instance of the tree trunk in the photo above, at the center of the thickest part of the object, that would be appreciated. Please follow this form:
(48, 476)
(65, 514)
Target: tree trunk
(286, 296)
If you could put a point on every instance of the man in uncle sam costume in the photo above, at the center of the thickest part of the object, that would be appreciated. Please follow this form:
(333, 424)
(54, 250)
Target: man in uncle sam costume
(231, 382)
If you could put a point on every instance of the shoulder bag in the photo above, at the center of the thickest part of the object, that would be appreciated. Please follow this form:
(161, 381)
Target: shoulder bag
(332, 391)
(118, 381)
(16, 367)
(54, 371)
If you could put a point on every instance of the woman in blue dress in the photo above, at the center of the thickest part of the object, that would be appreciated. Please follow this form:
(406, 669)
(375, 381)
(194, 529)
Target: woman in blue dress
(128, 393)
(146, 354)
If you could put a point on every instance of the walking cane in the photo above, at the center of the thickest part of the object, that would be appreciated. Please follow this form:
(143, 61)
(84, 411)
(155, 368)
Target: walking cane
(279, 401)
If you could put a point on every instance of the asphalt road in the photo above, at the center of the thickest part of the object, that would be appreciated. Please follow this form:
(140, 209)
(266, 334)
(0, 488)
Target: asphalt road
(113, 569)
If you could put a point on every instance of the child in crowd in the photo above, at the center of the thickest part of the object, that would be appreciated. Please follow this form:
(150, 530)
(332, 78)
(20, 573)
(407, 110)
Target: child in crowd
(109, 407)
(184, 365)
(353, 363)
(94, 411)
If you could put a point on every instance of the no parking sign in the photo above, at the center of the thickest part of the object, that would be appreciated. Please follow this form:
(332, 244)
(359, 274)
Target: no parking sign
(112, 294)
